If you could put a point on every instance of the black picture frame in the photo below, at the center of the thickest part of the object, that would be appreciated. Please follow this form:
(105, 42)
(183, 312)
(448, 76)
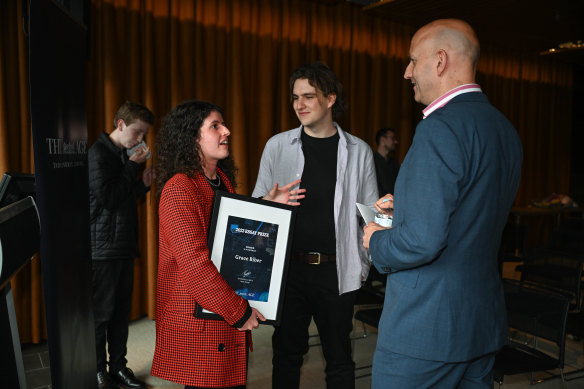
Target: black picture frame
(250, 242)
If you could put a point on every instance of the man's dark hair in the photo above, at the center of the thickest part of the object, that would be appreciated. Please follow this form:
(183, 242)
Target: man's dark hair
(383, 132)
(129, 112)
(323, 79)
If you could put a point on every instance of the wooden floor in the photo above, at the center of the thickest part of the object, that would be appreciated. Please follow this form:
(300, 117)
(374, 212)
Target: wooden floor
(141, 349)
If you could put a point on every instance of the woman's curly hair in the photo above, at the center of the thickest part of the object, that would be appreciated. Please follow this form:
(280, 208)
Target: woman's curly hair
(177, 143)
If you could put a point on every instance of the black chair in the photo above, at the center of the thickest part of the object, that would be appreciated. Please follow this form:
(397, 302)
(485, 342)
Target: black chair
(538, 313)
(371, 294)
(369, 316)
(368, 305)
(567, 240)
(572, 223)
(556, 270)
(575, 327)
(513, 243)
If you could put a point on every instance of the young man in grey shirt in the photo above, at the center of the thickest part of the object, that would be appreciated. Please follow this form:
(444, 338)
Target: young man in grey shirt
(328, 261)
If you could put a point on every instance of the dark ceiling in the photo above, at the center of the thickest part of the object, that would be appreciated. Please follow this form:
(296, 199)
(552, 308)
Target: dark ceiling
(533, 25)
(530, 26)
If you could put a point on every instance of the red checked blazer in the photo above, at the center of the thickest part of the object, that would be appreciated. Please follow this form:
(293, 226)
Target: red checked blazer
(189, 350)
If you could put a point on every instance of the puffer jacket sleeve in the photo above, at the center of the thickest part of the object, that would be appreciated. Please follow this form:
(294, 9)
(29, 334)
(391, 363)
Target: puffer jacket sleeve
(111, 182)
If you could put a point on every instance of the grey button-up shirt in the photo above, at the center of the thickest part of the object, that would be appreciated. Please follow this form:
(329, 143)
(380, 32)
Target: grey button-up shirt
(283, 161)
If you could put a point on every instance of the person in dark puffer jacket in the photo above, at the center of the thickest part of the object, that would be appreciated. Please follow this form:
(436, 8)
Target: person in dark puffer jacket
(114, 187)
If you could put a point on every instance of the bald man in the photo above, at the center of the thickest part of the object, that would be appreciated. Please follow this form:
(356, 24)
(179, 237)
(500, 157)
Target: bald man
(444, 317)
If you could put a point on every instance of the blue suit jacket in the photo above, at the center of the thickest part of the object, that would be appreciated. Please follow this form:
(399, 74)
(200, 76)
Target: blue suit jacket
(444, 299)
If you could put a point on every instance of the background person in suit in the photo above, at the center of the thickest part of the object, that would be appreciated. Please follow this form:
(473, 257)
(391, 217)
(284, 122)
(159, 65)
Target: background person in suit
(386, 166)
(193, 162)
(444, 317)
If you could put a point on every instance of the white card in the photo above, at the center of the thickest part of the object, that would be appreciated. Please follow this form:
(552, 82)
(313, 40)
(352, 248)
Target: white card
(367, 213)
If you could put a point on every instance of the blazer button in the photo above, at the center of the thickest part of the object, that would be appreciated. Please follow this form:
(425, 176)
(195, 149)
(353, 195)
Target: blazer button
(386, 269)
(221, 347)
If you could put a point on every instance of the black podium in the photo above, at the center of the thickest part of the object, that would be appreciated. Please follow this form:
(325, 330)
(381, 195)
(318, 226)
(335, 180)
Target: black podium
(20, 235)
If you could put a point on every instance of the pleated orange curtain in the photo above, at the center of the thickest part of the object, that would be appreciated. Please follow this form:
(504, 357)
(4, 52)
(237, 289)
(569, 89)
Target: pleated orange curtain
(239, 54)
(536, 94)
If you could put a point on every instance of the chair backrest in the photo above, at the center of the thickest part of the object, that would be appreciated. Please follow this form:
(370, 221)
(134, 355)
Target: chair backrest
(556, 270)
(513, 240)
(537, 311)
(513, 243)
(570, 241)
(572, 224)
(569, 237)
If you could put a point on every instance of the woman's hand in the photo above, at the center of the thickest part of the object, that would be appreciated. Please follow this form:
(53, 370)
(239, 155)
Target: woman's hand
(253, 321)
(285, 195)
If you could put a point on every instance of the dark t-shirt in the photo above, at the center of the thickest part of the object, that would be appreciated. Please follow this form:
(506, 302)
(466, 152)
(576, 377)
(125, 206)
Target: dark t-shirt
(386, 171)
(315, 221)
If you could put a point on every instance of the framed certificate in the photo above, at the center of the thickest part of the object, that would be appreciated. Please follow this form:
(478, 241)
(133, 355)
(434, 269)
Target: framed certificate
(250, 243)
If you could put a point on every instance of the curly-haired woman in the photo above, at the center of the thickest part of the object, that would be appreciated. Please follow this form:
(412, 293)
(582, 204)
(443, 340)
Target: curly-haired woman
(192, 162)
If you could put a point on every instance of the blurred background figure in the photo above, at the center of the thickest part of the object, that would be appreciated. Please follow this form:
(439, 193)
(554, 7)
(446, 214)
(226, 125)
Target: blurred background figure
(386, 166)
